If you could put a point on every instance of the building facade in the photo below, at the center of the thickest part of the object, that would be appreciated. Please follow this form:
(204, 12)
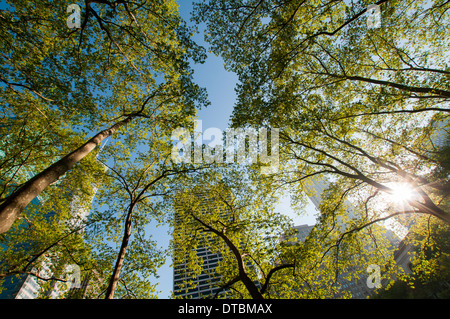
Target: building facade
(27, 286)
(185, 283)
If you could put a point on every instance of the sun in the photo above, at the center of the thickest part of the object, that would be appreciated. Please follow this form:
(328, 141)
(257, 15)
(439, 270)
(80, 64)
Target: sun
(401, 192)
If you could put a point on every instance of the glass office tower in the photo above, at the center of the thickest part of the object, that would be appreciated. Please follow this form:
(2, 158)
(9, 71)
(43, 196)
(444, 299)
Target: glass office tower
(185, 283)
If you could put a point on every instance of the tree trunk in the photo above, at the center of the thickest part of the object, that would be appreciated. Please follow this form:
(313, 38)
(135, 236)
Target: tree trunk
(17, 201)
(250, 285)
(121, 257)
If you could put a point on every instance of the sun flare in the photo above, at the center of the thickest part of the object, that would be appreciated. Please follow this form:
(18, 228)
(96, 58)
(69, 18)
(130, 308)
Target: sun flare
(401, 192)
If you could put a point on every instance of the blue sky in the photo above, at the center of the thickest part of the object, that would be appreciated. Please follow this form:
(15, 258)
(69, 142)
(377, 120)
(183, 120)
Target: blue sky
(220, 86)
(212, 75)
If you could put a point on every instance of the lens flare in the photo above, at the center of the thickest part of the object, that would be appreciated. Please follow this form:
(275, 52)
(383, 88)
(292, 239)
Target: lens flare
(401, 192)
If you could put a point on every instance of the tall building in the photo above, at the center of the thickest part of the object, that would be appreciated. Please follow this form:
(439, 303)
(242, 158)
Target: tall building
(358, 287)
(185, 283)
(202, 286)
(314, 190)
(301, 232)
(27, 286)
(207, 284)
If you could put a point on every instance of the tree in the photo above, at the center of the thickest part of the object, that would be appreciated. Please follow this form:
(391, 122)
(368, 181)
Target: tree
(300, 71)
(49, 238)
(139, 192)
(430, 269)
(233, 220)
(360, 108)
(110, 70)
(260, 256)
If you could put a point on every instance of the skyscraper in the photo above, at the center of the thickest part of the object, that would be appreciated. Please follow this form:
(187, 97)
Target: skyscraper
(185, 283)
(301, 232)
(28, 286)
(202, 286)
(357, 287)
